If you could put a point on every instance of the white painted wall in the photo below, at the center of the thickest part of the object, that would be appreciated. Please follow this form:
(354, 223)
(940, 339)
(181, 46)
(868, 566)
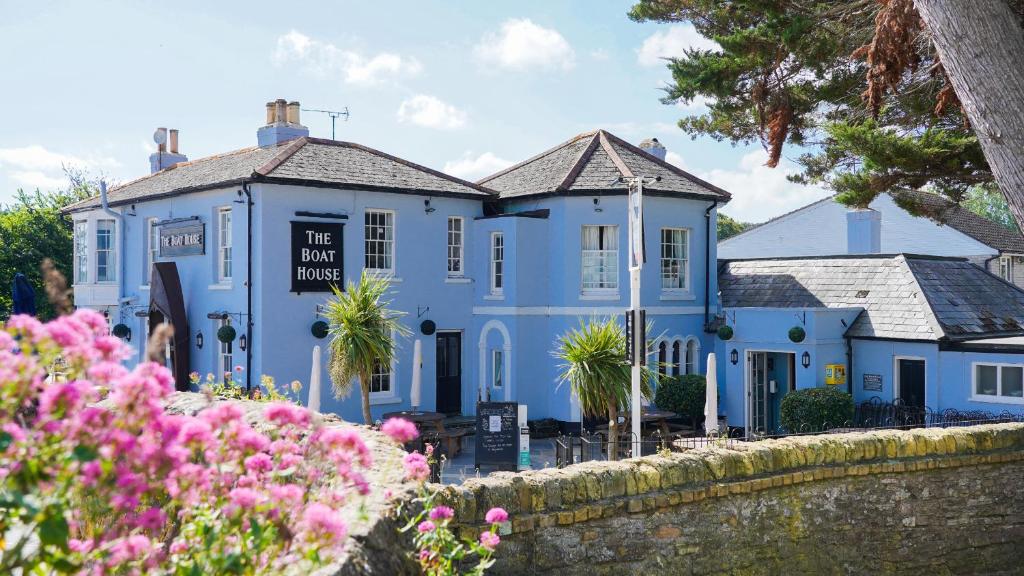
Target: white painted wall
(820, 230)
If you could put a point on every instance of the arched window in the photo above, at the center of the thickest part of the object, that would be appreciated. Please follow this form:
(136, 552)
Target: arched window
(675, 358)
(692, 356)
(662, 358)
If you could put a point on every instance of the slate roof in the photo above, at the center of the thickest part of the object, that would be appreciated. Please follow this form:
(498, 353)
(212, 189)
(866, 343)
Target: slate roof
(591, 163)
(307, 161)
(903, 296)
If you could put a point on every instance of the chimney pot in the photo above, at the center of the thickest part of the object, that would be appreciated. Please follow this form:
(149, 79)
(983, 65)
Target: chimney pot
(293, 113)
(654, 148)
(174, 141)
(282, 124)
(280, 111)
(270, 112)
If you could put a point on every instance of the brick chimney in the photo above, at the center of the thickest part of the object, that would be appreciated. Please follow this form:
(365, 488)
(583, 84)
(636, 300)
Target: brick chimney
(282, 124)
(166, 154)
(654, 148)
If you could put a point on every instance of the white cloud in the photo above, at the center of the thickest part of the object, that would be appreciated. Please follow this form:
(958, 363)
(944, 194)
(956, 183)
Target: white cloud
(522, 45)
(671, 43)
(698, 105)
(327, 60)
(601, 55)
(430, 112)
(759, 192)
(473, 168)
(676, 160)
(36, 167)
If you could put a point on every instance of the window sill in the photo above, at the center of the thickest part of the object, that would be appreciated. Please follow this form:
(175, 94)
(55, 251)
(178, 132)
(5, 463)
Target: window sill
(219, 287)
(997, 399)
(601, 296)
(457, 280)
(385, 400)
(388, 275)
(677, 296)
(494, 296)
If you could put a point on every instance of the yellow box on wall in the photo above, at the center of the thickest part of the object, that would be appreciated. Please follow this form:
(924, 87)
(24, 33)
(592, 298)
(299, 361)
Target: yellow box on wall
(835, 374)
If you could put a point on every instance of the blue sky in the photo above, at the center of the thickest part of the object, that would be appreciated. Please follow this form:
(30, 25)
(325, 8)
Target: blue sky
(465, 87)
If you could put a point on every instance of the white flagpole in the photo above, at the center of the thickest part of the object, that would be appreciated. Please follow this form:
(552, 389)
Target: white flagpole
(636, 257)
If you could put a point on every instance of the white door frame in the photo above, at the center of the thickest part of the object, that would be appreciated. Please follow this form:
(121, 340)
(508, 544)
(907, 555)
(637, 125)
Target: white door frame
(746, 379)
(896, 375)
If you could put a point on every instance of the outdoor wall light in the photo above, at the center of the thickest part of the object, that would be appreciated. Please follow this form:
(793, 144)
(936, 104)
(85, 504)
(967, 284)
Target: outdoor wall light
(805, 360)
(597, 205)
(199, 340)
(242, 341)
(734, 356)
(427, 207)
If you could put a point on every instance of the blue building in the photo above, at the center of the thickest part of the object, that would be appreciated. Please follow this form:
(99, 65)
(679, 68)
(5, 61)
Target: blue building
(926, 331)
(488, 273)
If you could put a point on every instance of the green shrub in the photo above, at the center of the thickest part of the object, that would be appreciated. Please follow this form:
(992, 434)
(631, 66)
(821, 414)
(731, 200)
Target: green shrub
(683, 395)
(815, 409)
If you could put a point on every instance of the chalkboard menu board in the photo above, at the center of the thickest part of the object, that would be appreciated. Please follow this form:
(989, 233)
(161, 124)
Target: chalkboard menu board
(497, 434)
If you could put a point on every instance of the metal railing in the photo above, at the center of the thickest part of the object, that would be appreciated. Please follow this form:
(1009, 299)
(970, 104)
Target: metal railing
(870, 415)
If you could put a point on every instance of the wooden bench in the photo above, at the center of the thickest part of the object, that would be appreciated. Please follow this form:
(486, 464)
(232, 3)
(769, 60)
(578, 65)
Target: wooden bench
(452, 440)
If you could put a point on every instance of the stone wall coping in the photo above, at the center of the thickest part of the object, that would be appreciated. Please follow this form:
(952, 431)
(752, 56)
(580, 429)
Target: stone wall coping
(589, 490)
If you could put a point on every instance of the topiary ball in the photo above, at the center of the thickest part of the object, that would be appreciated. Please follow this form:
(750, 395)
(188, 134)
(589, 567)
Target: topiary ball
(226, 334)
(121, 330)
(725, 332)
(319, 329)
(797, 334)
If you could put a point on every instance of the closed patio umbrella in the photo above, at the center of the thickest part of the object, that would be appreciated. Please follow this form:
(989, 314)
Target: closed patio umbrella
(711, 399)
(23, 295)
(314, 381)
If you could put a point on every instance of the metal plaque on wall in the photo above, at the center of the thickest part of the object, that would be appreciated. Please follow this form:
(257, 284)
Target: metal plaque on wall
(183, 240)
(873, 382)
(317, 256)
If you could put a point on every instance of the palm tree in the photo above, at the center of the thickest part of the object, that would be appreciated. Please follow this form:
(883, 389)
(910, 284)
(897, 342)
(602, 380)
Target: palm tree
(362, 330)
(594, 364)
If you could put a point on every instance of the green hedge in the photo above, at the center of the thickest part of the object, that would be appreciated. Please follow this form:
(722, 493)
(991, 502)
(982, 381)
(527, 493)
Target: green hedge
(815, 409)
(683, 395)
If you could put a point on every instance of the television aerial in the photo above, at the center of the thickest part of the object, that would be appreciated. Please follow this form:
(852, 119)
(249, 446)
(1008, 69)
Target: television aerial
(334, 114)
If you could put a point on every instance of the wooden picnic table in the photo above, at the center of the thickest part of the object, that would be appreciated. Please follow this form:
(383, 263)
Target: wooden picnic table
(659, 418)
(422, 419)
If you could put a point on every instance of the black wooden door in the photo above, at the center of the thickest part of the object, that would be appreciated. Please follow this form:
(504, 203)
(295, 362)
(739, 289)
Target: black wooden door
(912, 382)
(449, 372)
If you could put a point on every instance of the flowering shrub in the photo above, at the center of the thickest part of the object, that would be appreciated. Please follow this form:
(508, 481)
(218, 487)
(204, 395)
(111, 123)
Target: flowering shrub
(132, 489)
(438, 551)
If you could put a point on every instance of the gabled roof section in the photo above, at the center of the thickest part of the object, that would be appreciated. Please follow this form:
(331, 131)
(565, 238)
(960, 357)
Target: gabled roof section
(903, 296)
(593, 163)
(303, 161)
(945, 211)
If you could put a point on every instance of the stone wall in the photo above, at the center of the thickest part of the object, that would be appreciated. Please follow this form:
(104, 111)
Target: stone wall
(936, 501)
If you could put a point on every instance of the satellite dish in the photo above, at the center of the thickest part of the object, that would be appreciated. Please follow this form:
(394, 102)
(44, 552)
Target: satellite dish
(160, 136)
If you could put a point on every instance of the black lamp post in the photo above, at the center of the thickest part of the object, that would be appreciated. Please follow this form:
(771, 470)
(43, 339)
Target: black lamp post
(199, 340)
(734, 356)
(805, 360)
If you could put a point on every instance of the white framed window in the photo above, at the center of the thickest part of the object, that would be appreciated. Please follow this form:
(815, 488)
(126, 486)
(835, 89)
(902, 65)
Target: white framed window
(456, 234)
(224, 353)
(497, 368)
(600, 259)
(379, 235)
(106, 256)
(380, 380)
(152, 249)
(998, 383)
(81, 272)
(224, 255)
(692, 365)
(1006, 268)
(675, 259)
(497, 263)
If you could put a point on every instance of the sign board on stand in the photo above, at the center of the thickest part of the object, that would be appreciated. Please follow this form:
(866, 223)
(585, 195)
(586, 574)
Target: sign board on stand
(497, 435)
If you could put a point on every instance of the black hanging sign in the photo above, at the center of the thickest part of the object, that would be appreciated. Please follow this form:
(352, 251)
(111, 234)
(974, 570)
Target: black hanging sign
(497, 434)
(183, 240)
(317, 256)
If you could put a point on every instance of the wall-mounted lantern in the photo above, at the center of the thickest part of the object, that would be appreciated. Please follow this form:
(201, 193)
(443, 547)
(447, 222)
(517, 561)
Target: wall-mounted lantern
(734, 356)
(199, 340)
(805, 360)
(123, 332)
(243, 342)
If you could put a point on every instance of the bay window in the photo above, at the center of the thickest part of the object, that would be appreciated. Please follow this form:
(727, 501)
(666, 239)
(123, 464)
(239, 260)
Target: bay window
(106, 257)
(81, 271)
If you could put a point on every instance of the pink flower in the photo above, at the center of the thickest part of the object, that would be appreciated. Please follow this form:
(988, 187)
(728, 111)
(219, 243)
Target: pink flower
(287, 494)
(489, 540)
(152, 519)
(282, 414)
(243, 497)
(426, 526)
(416, 467)
(442, 513)
(325, 522)
(496, 516)
(258, 463)
(400, 430)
